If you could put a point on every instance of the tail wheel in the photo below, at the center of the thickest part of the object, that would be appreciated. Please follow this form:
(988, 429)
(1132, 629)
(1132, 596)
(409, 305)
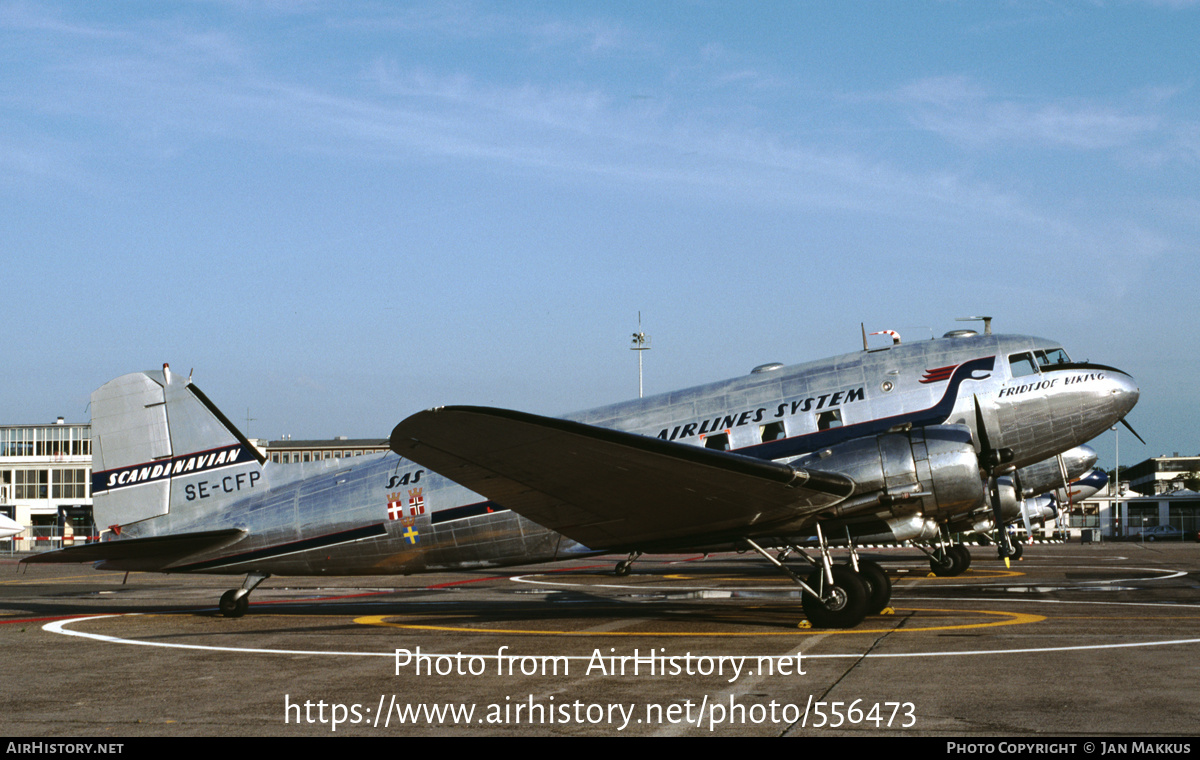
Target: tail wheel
(879, 586)
(842, 605)
(233, 606)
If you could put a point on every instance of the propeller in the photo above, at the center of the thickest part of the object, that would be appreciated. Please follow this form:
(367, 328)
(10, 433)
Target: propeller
(1135, 434)
(993, 461)
(1025, 515)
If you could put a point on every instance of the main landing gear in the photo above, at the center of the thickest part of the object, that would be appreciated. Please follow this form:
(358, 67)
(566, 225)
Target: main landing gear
(236, 601)
(949, 561)
(836, 596)
(1016, 548)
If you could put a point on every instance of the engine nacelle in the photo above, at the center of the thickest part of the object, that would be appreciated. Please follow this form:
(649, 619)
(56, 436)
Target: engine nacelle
(1040, 509)
(981, 520)
(929, 473)
(1048, 475)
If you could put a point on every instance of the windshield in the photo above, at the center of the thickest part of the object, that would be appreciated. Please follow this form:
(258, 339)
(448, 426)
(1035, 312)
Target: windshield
(1052, 356)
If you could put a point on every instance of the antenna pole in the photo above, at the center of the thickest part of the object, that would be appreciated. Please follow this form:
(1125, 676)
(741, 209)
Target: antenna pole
(641, 342)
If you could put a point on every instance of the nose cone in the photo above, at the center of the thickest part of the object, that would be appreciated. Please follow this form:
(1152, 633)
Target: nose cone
(1079, 460)
(1125, 392)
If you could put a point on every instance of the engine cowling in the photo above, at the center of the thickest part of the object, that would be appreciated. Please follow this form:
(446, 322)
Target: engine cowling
(908, 479)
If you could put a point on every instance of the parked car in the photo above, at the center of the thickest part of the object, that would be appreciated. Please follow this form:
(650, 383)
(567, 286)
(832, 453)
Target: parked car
(1162, 533)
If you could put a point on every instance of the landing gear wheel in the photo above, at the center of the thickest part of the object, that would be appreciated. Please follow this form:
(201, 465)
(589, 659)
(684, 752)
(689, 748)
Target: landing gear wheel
(964, 555)
(232, 606)
(622, 569)
(845, 603)
(950, 565)
(1017, 550)
(879, 586)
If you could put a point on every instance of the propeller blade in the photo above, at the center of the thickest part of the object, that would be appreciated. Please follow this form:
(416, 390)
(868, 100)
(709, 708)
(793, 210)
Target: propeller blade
(1002, 545)
(981, 429)
(1135, 435)
(988, 458)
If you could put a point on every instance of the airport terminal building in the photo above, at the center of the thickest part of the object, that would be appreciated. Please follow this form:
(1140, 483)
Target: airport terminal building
(45, 480)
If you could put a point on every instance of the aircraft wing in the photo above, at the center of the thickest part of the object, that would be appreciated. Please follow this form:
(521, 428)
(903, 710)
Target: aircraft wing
(610, 489)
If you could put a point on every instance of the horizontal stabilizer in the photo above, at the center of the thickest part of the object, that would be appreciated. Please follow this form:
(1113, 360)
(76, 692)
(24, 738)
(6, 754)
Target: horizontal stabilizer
(150, 553)
(610, 489)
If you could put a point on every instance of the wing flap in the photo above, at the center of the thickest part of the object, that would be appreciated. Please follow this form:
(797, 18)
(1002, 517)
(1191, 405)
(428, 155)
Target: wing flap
(609, 489)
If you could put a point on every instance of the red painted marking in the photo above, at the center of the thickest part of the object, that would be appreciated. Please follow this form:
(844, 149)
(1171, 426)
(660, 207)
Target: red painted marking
(44, 619)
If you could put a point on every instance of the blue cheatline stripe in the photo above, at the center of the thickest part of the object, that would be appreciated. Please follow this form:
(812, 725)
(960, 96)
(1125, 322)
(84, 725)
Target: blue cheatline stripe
(467, 510)
(934, 415)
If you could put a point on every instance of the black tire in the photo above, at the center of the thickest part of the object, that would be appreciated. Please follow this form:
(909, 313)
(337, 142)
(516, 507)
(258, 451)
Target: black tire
(231, 606)
(1018, 550)
(621, 570)
(847, 599)
(950, 565)
(879, 586)
(964, 555)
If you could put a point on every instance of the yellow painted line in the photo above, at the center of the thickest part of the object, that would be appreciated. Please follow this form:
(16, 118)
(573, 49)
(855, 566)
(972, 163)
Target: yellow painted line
(970, 575)
(1130, 617)
(1006, 618)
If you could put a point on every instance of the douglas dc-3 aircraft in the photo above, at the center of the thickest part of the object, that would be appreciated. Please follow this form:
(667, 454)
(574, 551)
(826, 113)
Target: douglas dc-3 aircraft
(898, 440)
(1050, 505)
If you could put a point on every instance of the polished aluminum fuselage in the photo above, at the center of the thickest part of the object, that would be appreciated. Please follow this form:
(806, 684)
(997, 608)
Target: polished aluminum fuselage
(339, 516)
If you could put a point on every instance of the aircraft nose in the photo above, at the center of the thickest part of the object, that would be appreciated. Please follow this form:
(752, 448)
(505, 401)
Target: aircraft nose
(1125, 392)
(1080, 459)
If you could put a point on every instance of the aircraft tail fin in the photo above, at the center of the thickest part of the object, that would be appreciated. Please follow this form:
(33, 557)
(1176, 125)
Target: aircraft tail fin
(156, 444)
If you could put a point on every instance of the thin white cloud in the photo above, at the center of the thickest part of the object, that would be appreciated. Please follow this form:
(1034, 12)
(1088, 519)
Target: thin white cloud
(962, 110)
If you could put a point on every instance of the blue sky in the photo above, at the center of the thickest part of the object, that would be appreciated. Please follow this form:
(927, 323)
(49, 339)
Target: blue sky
(340, 213)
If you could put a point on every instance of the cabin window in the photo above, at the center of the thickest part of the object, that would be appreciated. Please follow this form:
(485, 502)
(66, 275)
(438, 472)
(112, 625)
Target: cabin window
(830, 419)
(1021, 365)
(772, 431)
(718, 441)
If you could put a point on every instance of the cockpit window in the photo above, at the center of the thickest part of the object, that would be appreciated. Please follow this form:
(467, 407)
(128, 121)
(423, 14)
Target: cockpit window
(1021, 365)
(1053, 356)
